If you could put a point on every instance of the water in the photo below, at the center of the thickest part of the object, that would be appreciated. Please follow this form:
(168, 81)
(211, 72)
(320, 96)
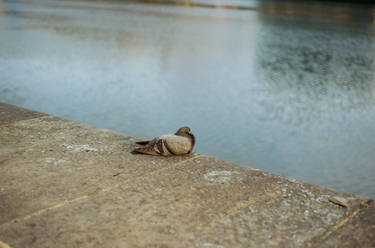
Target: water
(288, 88)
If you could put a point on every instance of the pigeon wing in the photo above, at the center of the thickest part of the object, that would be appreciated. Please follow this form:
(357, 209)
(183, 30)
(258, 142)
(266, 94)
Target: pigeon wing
(150, 147)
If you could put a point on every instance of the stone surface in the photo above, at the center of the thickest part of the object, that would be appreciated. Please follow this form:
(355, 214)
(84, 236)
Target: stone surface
(46, 161)
(10, 113)
(358, 232)
(67, 184)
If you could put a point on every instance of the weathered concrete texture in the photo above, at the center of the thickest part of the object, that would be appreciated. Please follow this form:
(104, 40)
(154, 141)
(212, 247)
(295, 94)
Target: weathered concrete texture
(10, 113)
(358, 232)
(46, 161)
(66, 184)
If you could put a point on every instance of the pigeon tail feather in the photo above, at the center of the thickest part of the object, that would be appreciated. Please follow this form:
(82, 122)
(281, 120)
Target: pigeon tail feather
(143, 142)
(145, 150)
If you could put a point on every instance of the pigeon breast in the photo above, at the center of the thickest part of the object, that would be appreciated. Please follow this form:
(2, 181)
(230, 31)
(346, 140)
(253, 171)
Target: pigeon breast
(175, 144)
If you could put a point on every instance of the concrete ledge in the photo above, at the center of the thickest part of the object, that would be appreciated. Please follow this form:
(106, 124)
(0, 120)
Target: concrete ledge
(10, 113)
(67, 184)
(359, 231)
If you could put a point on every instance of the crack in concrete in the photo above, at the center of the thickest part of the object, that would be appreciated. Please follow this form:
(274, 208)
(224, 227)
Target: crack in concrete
(316, 240)
(69, 201)
(150, 173)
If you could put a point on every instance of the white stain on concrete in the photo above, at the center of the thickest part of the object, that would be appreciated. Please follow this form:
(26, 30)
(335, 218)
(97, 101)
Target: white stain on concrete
(80, 148)
(49, 160)
(220, 176)
(210, 245)
(59, 162)
(55, 161)
(323, 198)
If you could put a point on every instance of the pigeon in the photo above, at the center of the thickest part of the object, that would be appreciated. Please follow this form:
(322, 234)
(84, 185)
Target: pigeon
(180, 143)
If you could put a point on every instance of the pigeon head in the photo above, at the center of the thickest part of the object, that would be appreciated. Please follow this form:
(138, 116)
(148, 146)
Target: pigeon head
(183, 130)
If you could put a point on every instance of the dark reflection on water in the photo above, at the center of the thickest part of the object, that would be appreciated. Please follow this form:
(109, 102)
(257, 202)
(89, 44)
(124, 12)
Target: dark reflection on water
(285, 89)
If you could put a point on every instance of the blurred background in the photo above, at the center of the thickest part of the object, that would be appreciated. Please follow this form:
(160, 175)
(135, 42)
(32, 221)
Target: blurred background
(283, 86)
